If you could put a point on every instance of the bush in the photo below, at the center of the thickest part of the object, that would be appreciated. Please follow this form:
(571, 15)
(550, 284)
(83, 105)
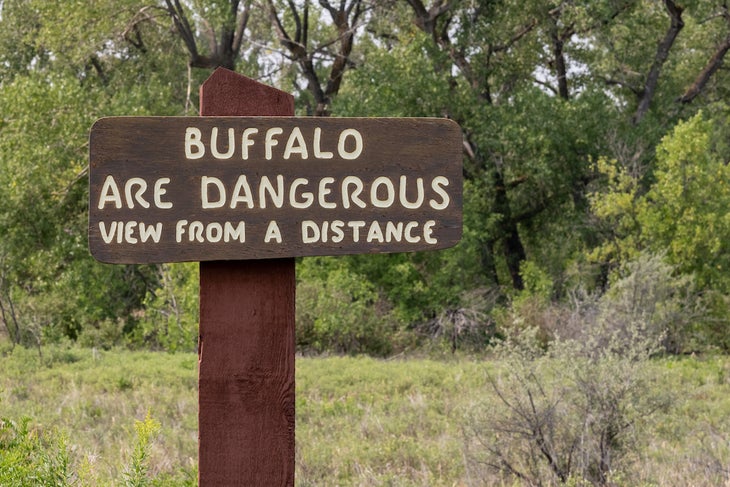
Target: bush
(137, 472)
(568, 413)
(646, 301)
(171, 315)
(32, 457)
(648, 297)
(466, 326)
(340, 311)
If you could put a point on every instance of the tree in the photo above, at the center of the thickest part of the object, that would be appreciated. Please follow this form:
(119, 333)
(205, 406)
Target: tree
(331, 52)
(222, 31)
(549, 94)
(685, 212)
(66, 76)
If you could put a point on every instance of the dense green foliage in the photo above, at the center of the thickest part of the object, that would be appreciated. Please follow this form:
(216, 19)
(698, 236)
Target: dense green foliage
(595, 136)
(92, 418)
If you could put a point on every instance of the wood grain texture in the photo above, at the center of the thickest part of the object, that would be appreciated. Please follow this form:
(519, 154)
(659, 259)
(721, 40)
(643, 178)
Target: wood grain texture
(394, 178)
(246, 347)
(246, 373)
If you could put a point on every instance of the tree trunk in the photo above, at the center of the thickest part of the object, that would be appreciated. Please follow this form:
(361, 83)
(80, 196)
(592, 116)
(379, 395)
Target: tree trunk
(512, 248)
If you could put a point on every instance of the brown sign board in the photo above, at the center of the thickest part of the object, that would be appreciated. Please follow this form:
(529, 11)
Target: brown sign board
(175, 189)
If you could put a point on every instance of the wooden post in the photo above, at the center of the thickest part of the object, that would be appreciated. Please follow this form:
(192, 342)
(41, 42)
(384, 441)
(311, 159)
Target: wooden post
(246, 344)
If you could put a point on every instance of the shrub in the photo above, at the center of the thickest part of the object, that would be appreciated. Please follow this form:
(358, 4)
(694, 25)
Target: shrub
(647, 297)
(29, 456)
(646, 301)
(465, 326)
(340, 311)
(568, 413)
(171, 316)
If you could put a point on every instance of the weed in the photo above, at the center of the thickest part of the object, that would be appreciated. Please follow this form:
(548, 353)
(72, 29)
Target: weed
(137, 473)
(29, 456)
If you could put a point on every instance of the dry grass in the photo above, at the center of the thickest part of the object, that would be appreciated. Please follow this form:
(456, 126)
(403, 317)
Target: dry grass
(360, 421)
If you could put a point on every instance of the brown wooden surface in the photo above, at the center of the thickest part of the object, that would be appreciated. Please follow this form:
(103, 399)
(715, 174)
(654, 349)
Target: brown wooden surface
(408, 152)
(246, 354)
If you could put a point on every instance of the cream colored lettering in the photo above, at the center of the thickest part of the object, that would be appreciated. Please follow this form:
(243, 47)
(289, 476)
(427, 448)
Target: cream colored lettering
(310, 232)
(318, 152)
(134, 193)
(205, 183)
(272, 233)
(410, 238)
(393, 231)
(232, 233)
(242, 186)
(295, 137)
(324, 191)
(159, 192)
(195, 232)
(375, 233)
(194, 148)
(349, 143)
(337, 230)
(246, 141)
(355, 226)
(108, 234)
(276, 195)
(129, 188)
(308, 197)
(129, 228)
(180, 230)
(147, 232)
(437, 185)
(110, 193)
(355, 195)
(126, 232)
(385, 182)
(212, 232)
(342, 144)
(378, 232)
(271, 141)
(214, 144)
(403, 193)
(428, 232)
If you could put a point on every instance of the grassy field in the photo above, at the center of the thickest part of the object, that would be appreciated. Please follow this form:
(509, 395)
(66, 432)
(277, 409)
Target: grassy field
(360, 421)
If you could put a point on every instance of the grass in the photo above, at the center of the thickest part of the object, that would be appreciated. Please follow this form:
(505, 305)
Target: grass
(360, 421)
(94, 397)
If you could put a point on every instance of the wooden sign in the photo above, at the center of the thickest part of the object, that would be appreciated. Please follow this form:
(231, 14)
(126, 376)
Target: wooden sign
(172, 189)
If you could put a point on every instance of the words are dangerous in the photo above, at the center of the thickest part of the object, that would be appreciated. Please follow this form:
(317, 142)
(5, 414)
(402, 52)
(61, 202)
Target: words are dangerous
(166, 189)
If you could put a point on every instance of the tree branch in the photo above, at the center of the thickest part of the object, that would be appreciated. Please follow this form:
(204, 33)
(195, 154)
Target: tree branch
(183, 27)
(426, 18)
(345, 29)
(712, 65)
(662, 53)
(624, 84)
(242, 22)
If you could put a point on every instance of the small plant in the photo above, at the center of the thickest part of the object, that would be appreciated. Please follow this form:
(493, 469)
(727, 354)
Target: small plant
(466, 325)
(31, 457)
(137, 473)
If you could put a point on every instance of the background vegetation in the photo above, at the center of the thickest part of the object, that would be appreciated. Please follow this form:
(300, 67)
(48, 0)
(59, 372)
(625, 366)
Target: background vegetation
(595, 136)
(596, 233)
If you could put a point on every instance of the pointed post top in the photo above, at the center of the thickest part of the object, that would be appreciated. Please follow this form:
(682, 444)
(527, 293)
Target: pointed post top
(227, 93)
